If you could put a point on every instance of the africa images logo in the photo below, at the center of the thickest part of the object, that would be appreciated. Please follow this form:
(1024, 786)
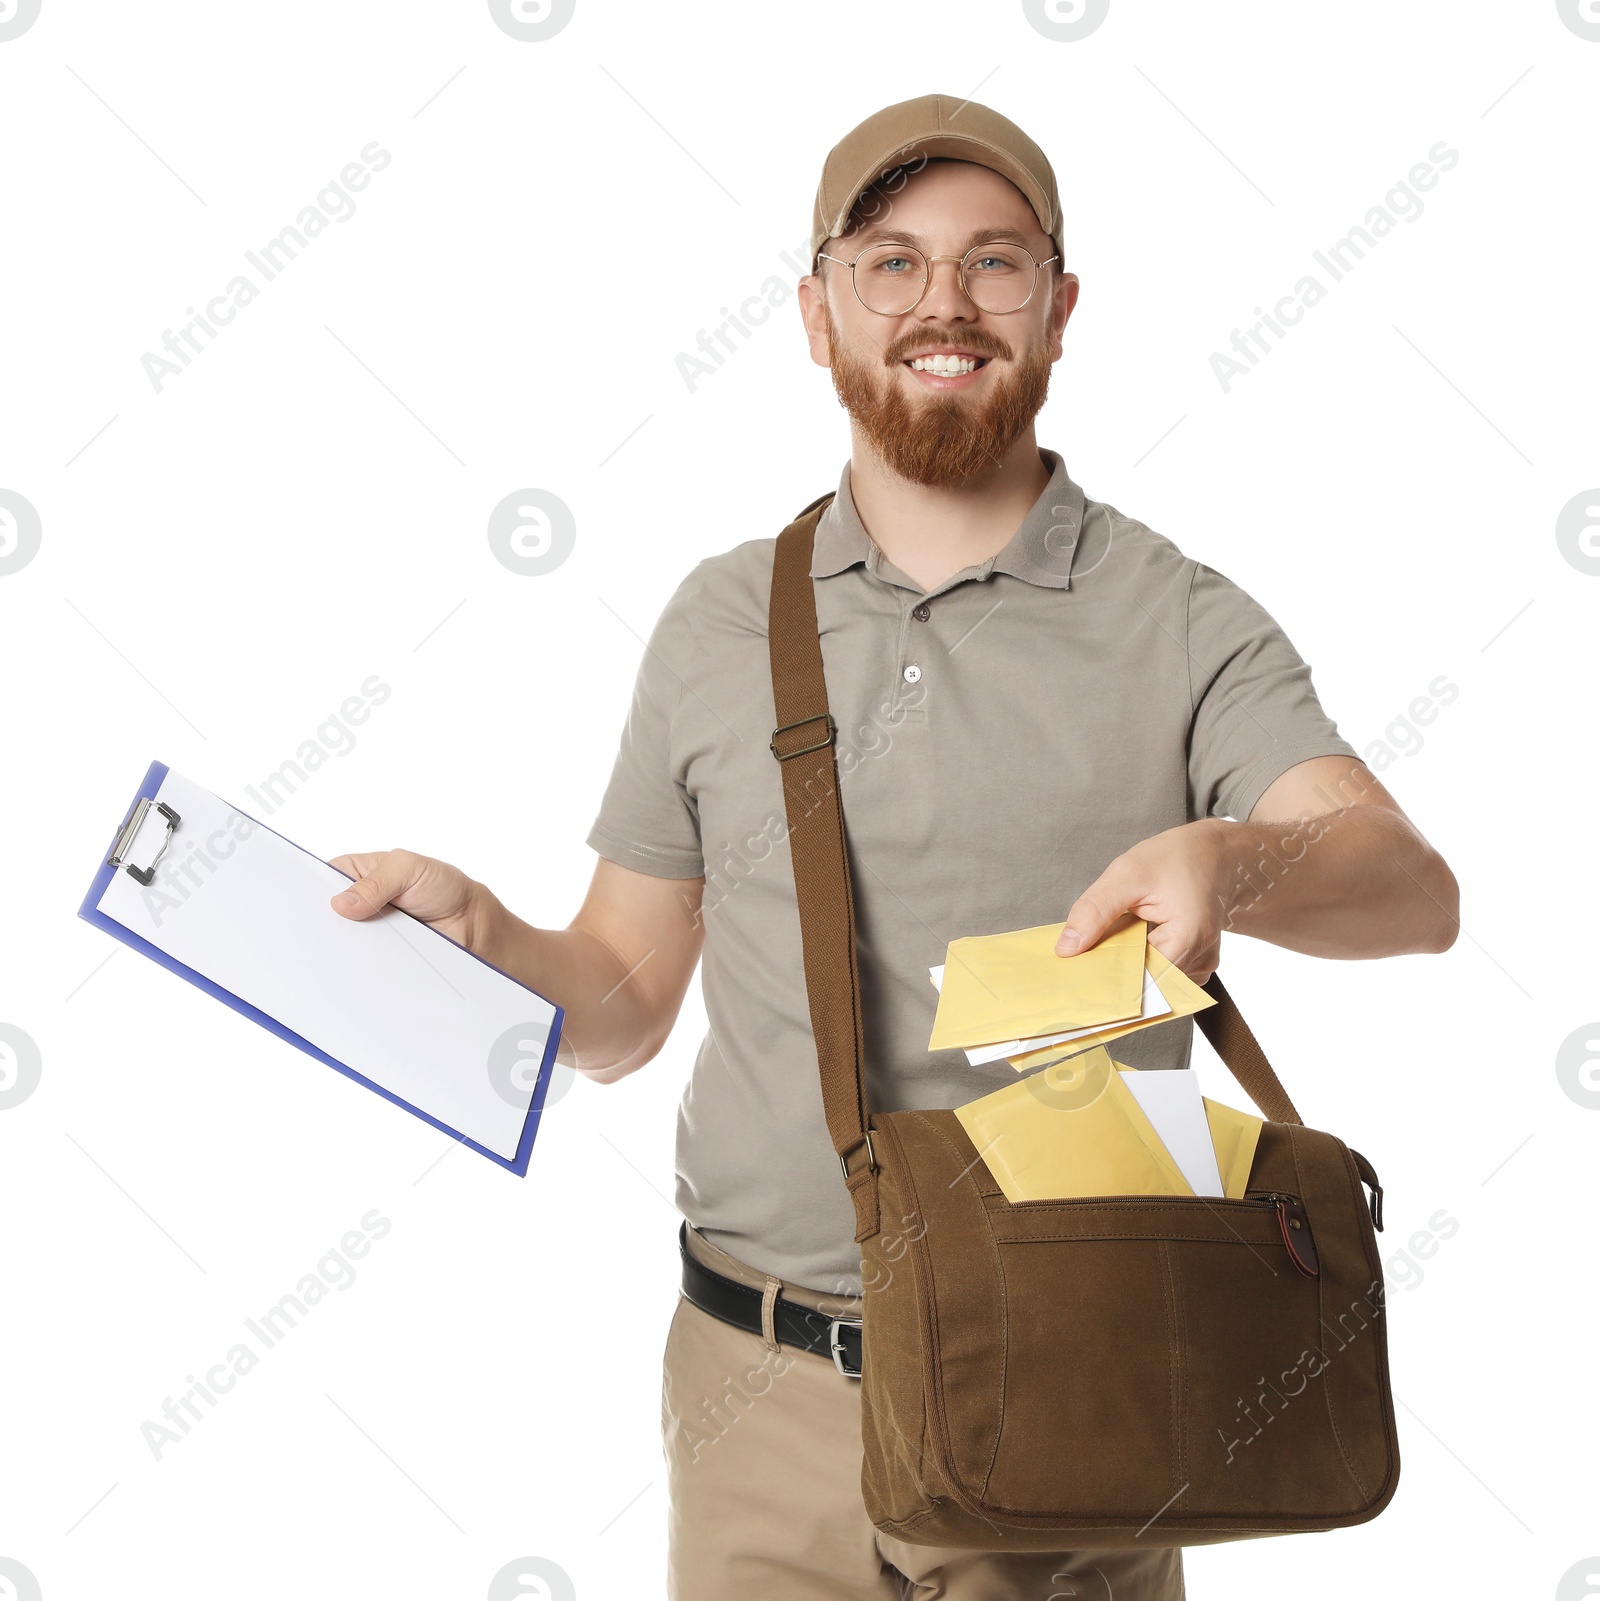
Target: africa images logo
(16, 17)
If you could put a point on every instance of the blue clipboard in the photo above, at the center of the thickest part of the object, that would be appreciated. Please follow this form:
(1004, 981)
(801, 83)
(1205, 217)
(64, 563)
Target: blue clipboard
(112, 862)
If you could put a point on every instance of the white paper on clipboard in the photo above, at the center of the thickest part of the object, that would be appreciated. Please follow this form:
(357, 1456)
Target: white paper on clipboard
(388, 998)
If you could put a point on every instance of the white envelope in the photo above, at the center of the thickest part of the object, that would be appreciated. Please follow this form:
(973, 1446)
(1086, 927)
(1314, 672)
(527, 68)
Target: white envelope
(1170, 1098)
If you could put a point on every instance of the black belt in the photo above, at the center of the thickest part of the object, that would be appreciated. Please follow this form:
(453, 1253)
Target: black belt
(793, 1324)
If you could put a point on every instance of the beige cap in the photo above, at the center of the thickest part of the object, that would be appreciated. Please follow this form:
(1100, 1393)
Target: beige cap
(931, 125)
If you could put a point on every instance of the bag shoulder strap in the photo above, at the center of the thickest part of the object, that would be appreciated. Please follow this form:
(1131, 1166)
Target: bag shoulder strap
(803, 744)
(1229, 1036)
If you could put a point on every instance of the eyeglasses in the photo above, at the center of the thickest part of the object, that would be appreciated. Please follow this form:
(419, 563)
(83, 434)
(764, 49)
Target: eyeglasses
(892, 279)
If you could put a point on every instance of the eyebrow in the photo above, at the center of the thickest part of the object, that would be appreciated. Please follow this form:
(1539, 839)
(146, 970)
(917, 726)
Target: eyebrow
(885, 235)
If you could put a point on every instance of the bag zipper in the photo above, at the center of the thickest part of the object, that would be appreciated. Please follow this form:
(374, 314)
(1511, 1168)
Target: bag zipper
(1295, 1226)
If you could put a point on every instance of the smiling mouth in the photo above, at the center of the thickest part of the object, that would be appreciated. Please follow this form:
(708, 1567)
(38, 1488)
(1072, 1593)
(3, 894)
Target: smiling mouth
(946, 366)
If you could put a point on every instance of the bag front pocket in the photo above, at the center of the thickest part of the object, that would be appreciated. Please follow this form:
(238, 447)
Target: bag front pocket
(1157, 1356)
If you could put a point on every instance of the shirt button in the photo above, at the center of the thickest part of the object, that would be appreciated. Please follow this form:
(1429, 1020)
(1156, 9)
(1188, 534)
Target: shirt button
(912, 673)
(921, 612)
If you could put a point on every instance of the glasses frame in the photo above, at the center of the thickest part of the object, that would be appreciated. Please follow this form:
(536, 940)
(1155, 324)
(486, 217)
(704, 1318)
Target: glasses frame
(927, 276)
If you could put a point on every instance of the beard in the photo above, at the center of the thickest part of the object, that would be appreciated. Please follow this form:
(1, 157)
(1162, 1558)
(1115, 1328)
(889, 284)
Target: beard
(942, 439)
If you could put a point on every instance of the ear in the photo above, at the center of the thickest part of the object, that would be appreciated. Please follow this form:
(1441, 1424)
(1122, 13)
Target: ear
(812, 292)
(1063, 297)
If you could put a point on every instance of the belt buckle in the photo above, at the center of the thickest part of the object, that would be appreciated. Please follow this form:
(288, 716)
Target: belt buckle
(836, 1345)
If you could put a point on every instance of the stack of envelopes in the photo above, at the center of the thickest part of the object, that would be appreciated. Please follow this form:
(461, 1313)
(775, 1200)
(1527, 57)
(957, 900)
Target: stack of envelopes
(1083, 1124)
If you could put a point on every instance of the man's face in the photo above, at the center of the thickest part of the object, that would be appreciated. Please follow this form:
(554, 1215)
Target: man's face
(933, 428)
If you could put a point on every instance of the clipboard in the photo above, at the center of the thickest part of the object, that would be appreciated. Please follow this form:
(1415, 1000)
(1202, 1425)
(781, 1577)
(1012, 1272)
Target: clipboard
(241, 912)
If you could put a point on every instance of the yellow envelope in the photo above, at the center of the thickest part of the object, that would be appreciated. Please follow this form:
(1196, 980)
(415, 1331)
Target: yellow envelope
(1233, 1138)
(1073, 1129)
(1182, 994)
(1008, 986)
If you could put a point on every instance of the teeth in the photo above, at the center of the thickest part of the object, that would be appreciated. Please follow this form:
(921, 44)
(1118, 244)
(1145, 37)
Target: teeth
(952, 365)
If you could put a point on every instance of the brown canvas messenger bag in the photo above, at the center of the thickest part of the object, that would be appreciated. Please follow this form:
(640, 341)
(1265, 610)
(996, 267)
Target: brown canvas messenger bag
(1114, 1372)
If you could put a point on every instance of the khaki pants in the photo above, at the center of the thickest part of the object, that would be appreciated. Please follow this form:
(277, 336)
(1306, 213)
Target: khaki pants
(763, 1449)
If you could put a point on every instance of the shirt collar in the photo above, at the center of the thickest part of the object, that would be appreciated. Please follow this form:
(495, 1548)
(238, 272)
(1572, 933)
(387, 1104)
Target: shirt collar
(1040, 551)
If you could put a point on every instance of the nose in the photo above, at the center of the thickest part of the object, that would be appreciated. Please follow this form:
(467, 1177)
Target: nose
(944, 300)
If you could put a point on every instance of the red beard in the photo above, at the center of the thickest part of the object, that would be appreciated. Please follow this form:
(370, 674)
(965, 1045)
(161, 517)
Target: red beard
(940, 440)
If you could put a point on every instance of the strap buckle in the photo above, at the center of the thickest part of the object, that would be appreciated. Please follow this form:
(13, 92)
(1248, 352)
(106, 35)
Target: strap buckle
(836, 1345)
(827, 739)
(872, 1160)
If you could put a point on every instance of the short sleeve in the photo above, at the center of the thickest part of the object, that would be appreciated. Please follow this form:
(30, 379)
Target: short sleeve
(1255, 710)
(648, 820)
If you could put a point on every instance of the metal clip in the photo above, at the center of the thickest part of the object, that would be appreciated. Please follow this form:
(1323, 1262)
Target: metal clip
(130, 832)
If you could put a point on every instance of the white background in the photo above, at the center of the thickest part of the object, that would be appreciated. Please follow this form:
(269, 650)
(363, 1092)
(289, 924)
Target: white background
(224, 562)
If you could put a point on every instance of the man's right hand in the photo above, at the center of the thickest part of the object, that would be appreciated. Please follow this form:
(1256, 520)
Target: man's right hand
(432, 891)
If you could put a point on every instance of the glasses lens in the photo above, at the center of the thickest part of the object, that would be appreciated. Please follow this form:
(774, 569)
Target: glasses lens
(890, 278)
(999, 277)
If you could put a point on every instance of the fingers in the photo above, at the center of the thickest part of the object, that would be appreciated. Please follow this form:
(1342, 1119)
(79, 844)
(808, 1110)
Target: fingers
(380, 876)
(354, 865)
(1093, 915)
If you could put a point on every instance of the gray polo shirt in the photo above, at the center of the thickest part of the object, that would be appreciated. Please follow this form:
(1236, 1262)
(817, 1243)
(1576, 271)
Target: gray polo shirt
(1001, 738)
